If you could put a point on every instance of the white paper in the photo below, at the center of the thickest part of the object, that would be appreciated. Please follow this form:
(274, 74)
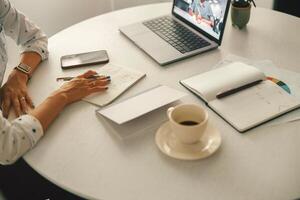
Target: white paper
(141, 104)
(121, 79)
(219, 80)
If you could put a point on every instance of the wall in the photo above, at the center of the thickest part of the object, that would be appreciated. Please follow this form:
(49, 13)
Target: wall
(265, 3)
(119, 4)
(55, 15)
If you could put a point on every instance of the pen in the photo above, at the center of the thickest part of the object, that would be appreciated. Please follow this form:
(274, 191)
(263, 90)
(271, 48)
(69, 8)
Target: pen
(235, 90)
(68, 78)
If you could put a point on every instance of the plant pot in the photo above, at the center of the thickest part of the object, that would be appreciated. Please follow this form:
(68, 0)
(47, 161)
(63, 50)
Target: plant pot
(240, 15)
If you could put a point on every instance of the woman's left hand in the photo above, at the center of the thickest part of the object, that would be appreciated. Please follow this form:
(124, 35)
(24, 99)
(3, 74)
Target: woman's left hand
(14, 94)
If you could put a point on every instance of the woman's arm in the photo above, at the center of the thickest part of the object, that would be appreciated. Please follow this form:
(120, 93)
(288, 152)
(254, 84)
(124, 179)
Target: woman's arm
(24, 32)
(70, 92)
(33, 44)
(23, 133)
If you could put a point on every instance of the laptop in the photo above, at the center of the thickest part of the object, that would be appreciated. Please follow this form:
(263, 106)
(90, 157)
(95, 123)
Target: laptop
(195, 26)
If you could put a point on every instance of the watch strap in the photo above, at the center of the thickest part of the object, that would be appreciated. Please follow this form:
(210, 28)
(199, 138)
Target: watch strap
(24, 68)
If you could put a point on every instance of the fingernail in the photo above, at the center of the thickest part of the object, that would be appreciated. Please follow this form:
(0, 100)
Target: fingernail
(108, 77)
(106, 88)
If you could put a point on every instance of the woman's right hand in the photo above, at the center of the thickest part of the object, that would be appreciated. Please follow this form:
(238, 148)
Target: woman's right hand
(82, 86)
(72, 91)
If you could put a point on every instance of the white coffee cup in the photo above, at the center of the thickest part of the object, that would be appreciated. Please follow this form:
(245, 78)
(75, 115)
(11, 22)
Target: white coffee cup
(188, 122)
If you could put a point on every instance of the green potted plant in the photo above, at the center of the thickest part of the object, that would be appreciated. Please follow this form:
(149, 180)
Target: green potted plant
(240, 12)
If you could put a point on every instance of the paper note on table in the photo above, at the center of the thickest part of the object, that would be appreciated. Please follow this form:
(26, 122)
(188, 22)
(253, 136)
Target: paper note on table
(141, 104)
(122, 79)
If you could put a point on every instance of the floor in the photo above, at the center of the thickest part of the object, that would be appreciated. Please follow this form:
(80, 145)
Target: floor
(19, 181)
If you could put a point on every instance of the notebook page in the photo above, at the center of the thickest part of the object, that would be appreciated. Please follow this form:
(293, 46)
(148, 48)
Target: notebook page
(254, 105)
(122, 79)
(213, 82)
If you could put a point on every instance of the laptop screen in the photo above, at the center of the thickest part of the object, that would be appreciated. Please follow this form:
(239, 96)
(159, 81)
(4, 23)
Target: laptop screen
(207, 15)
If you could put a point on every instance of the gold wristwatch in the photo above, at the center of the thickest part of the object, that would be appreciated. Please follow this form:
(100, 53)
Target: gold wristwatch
(25, 69)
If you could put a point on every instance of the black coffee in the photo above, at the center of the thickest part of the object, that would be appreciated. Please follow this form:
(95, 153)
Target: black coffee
(189, 123)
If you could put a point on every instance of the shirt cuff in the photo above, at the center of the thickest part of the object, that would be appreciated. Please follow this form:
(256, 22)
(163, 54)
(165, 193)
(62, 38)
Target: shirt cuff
(43, 52)
(32, 126)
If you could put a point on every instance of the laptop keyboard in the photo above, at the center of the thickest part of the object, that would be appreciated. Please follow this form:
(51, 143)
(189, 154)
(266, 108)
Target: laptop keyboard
(180, 37)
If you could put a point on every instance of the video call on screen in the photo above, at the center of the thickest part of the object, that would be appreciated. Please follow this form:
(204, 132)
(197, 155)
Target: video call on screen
(207, 15)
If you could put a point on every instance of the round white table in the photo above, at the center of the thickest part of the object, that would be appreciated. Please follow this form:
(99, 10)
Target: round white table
(80, 155)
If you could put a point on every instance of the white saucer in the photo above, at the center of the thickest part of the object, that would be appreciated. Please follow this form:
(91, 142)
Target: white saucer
(169, 144)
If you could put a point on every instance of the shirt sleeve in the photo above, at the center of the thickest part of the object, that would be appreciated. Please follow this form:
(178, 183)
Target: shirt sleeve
(17, 137)
(25, 33)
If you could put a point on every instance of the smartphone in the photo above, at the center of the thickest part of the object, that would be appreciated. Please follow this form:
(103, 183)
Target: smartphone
(83, 59)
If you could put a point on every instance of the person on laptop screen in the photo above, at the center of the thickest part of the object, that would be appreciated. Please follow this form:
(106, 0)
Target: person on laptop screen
(202, 10)
(205, 14)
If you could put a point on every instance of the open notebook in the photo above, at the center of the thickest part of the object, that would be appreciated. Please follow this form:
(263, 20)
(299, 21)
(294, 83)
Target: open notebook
(121, 80)
(248, 107)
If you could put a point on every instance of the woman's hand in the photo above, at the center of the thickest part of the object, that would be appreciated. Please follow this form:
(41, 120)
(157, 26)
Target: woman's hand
(72, 91)
(82, 86)
(14, 94)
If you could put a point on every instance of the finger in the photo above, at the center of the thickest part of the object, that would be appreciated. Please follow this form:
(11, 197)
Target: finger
(100, 78)
(24, 105)
(16, 106)
(6, 104)
(29, 101)
(103, 77)
(87, 74)
(99, 83)
(97, 89)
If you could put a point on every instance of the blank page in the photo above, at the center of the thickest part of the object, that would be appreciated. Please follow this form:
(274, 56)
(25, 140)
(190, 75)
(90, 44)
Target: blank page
(234, 75)
(254, 105)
